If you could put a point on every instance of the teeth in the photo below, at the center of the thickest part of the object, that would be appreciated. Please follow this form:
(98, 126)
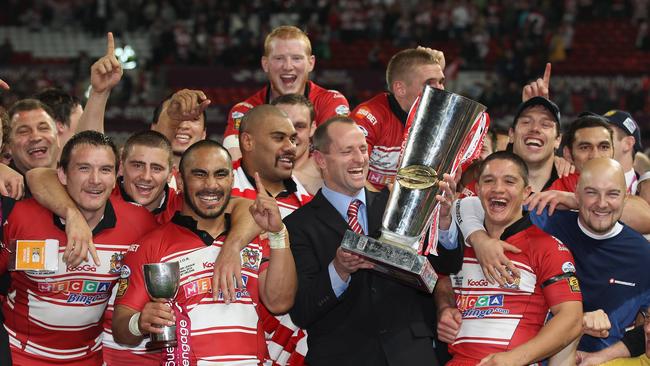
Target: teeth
(534, 142)
(36, 150)
(182, 137)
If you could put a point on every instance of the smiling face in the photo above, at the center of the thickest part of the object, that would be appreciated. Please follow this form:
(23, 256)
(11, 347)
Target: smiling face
(590, 143)
(270, 148)
(146, 170)
(287, 65)
(187, 133)
(418, 77)
(601, 195)
(33, 140)
(89, 178)
(535, 135)
(345, 161)
(300, 117)
(502, 190)
(206, 183)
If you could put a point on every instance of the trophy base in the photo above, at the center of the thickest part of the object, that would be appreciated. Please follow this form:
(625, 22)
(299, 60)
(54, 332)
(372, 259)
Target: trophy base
(161, 344)
(398, 262)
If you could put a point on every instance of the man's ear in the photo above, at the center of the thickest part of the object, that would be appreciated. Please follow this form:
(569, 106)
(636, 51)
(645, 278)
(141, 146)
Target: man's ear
(319, 159)
(60, 128)
(399, 88)
(179, 182)
(265, 63)
(566, 154)
(558, 141)
(511, 135)
(62, 176)
(246, 141)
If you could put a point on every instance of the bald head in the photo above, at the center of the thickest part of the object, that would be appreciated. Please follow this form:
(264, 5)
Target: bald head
(602, 169)
(258, 115)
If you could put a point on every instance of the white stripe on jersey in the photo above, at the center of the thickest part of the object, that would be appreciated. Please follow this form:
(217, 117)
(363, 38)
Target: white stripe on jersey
(495, 329)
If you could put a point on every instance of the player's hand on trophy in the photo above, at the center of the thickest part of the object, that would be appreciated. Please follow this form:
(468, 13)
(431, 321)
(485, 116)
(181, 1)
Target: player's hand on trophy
(79, 240)
(106, 72)
(596, 324)
(265, 209)
(449, 321)
(553, 199)
(347, 263)
(4, 85)
(539, 87)
(447, 189)
(187, 105)
(154, 315)
(12, 183)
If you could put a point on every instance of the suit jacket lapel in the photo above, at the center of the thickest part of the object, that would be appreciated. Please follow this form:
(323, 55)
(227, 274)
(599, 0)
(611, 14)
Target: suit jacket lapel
(327, 214)
(374, 212)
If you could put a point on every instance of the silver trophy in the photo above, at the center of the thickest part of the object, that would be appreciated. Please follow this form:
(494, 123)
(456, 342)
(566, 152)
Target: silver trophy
(441, 124)
(162, 281)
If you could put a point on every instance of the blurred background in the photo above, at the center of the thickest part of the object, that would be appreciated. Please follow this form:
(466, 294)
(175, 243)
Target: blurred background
(600, 50)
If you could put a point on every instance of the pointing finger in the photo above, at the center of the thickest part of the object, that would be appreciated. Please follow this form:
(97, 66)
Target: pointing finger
(260, 186)
(110, 44)
(547, 74)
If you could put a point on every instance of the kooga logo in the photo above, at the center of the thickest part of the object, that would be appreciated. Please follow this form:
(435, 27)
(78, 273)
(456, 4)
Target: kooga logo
(84, 268)
(477, 283)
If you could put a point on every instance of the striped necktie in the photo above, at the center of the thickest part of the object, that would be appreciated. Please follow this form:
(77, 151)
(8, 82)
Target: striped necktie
(353, 216)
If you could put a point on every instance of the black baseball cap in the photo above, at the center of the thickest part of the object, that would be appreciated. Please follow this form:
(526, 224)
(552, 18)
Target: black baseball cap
(535, 101)
(625, 122)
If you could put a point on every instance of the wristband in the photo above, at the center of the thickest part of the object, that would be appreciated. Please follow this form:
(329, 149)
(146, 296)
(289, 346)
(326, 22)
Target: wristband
(277, 240)
(133, 325)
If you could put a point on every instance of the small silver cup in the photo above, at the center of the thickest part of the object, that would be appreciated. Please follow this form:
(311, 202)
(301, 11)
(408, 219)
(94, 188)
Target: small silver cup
(162, 281)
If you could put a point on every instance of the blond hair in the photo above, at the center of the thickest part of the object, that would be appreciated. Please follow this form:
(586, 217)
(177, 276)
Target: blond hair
(286, 32)
(403, 62)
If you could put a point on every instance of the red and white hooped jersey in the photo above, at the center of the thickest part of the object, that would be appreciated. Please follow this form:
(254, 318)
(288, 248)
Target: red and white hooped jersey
(288, 201)
(220, 333)
(55, 317)
(327, 103)
(498, 319)
(287, 343)
(382, 120)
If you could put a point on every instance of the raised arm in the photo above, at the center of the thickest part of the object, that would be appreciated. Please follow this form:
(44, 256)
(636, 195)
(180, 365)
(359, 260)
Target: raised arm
(279, 282)
(104, 75)
(49, 192)
(184, 105)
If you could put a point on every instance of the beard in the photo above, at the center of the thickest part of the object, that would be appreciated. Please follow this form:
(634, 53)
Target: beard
(203, 214)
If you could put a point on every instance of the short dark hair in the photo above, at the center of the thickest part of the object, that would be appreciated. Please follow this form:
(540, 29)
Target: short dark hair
(60, 102)
(4, 124)
(322, 139)
(89, 137)
(586, 121)
(296, 99)
(158, 110)
(148, 138)
(510, 156)
(29, 104)
(198, 145)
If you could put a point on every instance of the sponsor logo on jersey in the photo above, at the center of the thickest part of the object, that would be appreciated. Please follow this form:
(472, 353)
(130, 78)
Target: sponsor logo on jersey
(560, 245)
(122, 286)
(236, 117)
(364, 113)
(568, 267)
(116, 262)
(133, 248)
(477, 283)
(342, 110)
(574, 285)
(125, 272)
(337, 94)
(81, 268)
(484, 301)
(251, 258)
(204, 286)
(76, 286)
(87, 299)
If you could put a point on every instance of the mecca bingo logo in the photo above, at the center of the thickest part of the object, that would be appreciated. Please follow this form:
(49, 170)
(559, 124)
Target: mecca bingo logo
(481, 306)
(76, 286)
(204, 286)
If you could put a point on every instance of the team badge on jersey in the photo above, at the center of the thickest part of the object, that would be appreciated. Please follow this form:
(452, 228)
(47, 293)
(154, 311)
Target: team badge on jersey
(126, 272)
(342, 110)
(116, 263)
(251, 258)
(236, 117)
(574, 285)
(122, 285)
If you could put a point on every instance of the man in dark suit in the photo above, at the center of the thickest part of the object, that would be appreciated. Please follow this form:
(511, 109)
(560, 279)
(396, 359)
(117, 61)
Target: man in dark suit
(354, 316)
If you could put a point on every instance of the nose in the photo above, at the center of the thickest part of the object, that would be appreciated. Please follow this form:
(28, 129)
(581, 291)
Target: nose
(147, 174)
(94, 176)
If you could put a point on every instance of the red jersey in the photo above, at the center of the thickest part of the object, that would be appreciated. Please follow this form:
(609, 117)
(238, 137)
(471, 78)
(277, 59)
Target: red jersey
(220, 332)
(382, 120)
(327, 104)
(499, 319)
(171, 202)
(54, 317)
(286, 342)
(566, 184)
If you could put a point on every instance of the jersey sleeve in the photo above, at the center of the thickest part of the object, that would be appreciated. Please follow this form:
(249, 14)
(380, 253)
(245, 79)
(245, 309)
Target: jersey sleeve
(331, 104)
(565, 184)
(364, 117)
(266, 253)
(555, 270)
(230, 136)
(131, 289)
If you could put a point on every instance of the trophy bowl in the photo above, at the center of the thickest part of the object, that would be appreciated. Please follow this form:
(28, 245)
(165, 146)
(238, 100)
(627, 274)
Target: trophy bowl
(162, 281)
